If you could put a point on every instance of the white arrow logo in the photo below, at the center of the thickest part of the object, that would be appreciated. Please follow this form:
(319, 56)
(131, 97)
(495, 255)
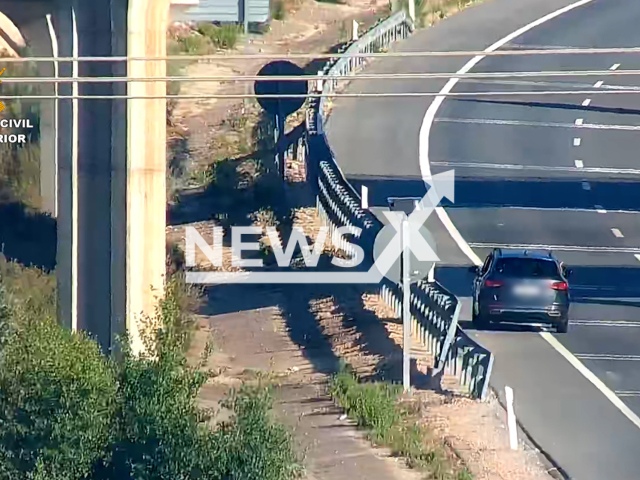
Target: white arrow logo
(441, 186)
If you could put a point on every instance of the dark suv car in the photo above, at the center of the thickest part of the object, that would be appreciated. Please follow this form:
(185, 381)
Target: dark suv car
(521, 286)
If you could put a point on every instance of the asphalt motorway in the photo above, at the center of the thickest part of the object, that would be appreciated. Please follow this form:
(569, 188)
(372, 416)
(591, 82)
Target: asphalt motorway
(557, 171)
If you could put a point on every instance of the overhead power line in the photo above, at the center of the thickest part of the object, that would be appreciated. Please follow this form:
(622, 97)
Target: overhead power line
(319, 95)
(318, 56)
(359, 76)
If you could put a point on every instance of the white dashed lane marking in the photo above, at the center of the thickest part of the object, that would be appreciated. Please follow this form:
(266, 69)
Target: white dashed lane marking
(607, 356)
(577, 141)
(605, 323)
(600, 209)
(598, 84)
(637, 255)
(522, 123)
(579, 164)
(617, 233)
(511, 166)
(615, 66)
(467, 248)
(586, 103)
(586, 186)
(579, 121)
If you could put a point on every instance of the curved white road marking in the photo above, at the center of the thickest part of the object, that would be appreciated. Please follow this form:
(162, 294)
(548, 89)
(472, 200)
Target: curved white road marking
(589, 375)
(423, 154)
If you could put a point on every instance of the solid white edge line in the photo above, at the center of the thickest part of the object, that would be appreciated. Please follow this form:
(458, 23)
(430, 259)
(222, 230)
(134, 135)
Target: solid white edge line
(423, 155)
(589, 375)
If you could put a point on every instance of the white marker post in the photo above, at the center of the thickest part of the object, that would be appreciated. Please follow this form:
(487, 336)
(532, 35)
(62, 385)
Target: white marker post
(319, 82)
(354, 36)
(511, 419)
(364, 197)
(406, 307)
(412, 10)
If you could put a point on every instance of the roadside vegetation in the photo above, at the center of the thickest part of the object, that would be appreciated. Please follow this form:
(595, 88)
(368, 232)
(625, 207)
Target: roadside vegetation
(68, 412)
(391, 423)
(20, 164)
(429, 12)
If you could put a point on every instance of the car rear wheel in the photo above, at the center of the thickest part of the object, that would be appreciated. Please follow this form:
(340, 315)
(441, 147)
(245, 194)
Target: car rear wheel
(479, 321)
(563, 326)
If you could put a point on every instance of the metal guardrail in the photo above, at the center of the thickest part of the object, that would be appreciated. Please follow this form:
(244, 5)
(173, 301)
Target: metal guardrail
(435, 315)
(434, 310)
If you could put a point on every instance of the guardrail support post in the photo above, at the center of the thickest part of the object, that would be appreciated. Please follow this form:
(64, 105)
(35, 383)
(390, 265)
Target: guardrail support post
(406, 307)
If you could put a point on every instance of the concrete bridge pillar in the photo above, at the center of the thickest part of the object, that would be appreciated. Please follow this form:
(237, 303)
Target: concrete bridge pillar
(111, 168)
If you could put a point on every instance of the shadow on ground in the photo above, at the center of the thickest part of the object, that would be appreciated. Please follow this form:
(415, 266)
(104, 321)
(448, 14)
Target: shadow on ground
(27, 237)
(532, 192)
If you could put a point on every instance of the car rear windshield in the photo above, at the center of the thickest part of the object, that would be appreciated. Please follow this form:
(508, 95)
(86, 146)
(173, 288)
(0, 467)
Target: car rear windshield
(527, 268)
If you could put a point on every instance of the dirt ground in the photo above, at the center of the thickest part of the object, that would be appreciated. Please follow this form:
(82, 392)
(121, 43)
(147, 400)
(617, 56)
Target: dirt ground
(297, 336)
(309, 27)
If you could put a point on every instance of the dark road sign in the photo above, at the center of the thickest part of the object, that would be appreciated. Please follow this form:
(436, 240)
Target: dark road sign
(283, 106)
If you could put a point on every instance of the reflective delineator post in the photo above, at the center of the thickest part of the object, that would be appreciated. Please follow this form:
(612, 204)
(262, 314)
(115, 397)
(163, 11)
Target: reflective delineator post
(511, 419)
(364, 197)
(406, 307)
(355, 31)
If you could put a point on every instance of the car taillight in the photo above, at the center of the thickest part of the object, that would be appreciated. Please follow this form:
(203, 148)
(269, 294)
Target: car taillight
(492, 283)
(562, 286)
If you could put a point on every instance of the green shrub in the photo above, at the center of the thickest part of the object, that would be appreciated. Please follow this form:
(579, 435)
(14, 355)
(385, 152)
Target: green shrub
(20, 164)
(253, 445)
(30, 291)
(278, 10)
(57, 403)
(372, 405)
(160, 432)
(225, 36)
(68, 413)
(195, 44)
